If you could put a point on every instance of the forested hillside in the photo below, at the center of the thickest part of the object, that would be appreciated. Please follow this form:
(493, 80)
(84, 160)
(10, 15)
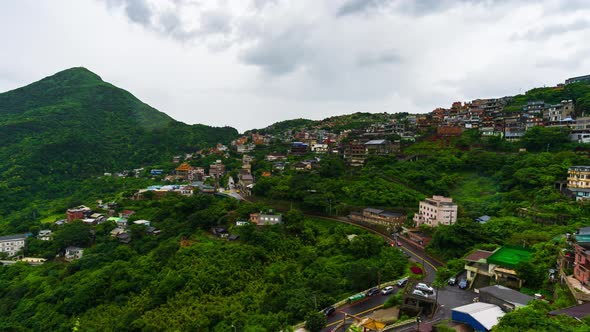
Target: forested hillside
(72, 125)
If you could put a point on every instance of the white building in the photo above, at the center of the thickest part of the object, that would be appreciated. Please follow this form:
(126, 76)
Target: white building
(11, 244)
(436, 210)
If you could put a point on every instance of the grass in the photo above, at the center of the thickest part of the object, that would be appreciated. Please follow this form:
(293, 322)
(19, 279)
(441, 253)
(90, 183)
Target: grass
(52, 218)
(477, 195)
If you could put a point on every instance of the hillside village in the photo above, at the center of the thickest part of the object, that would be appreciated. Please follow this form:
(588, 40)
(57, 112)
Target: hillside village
(235, 170)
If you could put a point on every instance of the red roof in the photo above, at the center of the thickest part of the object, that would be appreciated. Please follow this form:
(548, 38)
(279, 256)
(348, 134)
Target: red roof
(477, 255)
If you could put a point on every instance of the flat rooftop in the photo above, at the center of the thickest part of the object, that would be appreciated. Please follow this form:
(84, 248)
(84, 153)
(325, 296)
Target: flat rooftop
(510, 256)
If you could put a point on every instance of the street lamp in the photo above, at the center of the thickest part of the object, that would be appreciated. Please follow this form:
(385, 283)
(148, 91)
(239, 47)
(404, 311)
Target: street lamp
(418, 321)
(233, 327)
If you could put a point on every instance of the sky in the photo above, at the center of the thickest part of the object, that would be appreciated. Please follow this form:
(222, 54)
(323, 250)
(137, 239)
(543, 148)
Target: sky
(250, 63)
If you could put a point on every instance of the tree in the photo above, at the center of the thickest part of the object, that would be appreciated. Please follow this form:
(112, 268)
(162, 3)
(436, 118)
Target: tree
(73, 234)
(315, 322)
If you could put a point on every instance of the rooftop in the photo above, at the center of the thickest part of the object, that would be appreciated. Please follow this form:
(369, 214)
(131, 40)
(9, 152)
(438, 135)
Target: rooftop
(578, 311)
(510, 256)
(507, 294)
(13, 237)
(478, 255)
(486, 314)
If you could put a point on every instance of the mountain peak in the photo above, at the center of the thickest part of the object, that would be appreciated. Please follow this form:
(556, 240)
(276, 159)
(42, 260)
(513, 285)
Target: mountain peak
(75, 75)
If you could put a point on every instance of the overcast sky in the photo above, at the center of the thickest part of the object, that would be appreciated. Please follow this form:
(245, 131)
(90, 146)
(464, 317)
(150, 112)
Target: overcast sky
(250, 63)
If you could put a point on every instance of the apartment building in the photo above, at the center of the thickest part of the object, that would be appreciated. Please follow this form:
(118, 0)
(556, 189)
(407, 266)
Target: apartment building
(578, 181)
(11, 244)
(435, 211)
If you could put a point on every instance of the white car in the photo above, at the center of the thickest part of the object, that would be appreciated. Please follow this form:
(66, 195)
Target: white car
(419, 293)
(425, 288)
(387, 290)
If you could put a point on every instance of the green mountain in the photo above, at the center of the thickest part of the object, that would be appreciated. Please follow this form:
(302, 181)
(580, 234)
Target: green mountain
(73, 125)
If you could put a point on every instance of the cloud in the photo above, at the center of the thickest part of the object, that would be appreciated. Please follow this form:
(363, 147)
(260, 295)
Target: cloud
(554, 30)
(352, 7)
(138, 11)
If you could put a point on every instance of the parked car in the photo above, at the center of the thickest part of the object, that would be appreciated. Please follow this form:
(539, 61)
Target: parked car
(425, 288)
(372, 291)
(452, 281)
(402, 282)
(462, 283)
(418, 292)
(387, 290)
(329, 311)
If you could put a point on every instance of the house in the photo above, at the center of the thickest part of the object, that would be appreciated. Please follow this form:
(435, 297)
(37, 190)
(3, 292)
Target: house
(380, 217)
(123, 237)
(217, 170)
(117, 231)
(503, 261)
(578, 312)
(242, 223)
(476, 265)
(299, 148)
(220, 231)
(436, 210)
(381, 147)
(12, 244)
(156, 171)
(145, 223)
(151, 230)
(275, 157)
(578, 182)
(45, 235)
(582, 256)
(127, 213)
(262, 219)
(73, 253)
(98, 218)
(504, 297)
(233, 237)
(78, 213)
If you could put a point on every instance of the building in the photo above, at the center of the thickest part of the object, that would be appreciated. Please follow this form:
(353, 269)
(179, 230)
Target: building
(381, 147)
(355, 153)
(562, 111)
(480, 316)
(78, 213)
(585, 78)
(299, 148)
(578, 181)
(502, 264)
(73, 253)
(435, 211)
(217, 170)
(262, 219)
(582, 256)
(476, 265)
(45, 235)
(506, 298)
(12, 244)
(380, 217)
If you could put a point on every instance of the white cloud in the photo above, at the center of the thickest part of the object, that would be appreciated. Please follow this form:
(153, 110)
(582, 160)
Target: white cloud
(251, 63)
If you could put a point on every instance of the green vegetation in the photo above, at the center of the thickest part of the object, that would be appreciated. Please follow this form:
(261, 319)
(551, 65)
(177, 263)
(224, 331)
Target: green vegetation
(58, 132)
(184, 279)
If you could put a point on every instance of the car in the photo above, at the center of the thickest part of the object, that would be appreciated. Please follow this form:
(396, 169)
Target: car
(418, 292)
(425, 288)
(372, 291)
(462, 283)
(452, 281)
(402, 282)
(387, 290)
(329, 311)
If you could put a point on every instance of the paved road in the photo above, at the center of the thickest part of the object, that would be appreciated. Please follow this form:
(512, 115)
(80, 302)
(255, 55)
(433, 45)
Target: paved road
(232, 190)
(449, 297)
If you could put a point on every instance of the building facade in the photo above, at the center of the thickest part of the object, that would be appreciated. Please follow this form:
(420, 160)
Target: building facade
(435, 211)
(578, 181)
(11, 244)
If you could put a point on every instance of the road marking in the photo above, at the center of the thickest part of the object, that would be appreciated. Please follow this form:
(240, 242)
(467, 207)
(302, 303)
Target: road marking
(425, 261)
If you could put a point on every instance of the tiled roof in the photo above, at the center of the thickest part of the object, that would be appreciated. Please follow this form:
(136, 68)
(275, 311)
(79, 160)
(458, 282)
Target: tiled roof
(477, 255)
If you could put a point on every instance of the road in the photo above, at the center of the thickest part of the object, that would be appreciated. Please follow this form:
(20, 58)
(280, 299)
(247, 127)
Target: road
(448, 297)
(232, 190)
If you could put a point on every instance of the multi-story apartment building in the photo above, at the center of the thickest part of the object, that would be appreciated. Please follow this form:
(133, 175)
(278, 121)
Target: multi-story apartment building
(582, 257)
(436, 210)
(578, 181)
(560, 112)
(217, 170)
(355, 153)
(378, 216)
(78, 213)
(11, 244)
(585, 78)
